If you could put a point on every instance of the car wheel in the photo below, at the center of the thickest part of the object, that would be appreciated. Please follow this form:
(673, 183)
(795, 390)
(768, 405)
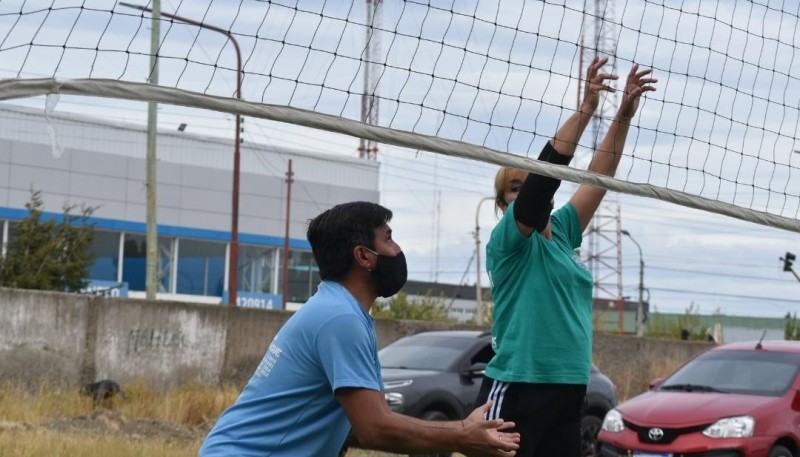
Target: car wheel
(780, 451)
(590, 427)
(433, 415)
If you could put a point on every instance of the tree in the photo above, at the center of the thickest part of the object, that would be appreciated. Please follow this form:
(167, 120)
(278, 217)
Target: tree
(427, 308)
(792, 330)
(685, 327)
(48, 255)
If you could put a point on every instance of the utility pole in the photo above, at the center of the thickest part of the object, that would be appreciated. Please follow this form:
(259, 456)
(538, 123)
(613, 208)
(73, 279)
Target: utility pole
(640, 305)
(151, 265)
(478, 290)
(285, 293)
(233, 265)
(787, 264)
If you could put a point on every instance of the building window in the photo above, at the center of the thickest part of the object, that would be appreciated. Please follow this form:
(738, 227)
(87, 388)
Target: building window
(303, 276)
(201, 267)
(134, 262)
(256, 269)
(105, 249)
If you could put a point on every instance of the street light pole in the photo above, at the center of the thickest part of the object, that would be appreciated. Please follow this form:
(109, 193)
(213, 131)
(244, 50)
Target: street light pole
(640, 305)
(478, 289)
(234, 257)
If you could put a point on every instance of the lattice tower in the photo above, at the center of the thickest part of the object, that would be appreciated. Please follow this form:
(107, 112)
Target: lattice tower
(368, 149)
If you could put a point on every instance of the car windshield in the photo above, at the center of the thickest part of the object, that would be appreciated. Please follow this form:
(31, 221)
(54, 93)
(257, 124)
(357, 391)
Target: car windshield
(423, 352)
(743, 372)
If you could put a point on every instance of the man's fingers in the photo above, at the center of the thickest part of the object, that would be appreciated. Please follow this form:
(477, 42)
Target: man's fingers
(502, 453)
(506, 426)
(499, 424)
(485, 407)
(508, 453)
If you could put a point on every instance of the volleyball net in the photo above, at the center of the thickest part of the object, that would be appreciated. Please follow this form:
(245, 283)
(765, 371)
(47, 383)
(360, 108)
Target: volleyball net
(481, 80)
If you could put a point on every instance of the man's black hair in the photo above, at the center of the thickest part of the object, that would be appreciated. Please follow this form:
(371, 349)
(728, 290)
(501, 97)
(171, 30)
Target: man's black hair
(336, 232)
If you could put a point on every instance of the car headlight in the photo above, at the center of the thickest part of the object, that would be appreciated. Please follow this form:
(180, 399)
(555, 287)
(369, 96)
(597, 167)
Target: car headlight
(731, 427)
(613, 422)
(394, 400)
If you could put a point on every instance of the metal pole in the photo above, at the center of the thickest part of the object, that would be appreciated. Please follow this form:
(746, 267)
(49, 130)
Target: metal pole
(286, 236)
(151, 265)
(478, 290)
(234, 256)
(640, 305)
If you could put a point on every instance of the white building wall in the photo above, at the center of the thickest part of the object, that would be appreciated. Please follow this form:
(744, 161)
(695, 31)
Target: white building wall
(102, 164)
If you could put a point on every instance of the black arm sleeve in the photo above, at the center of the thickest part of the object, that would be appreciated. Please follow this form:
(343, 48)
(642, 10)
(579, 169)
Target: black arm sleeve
(534, 202)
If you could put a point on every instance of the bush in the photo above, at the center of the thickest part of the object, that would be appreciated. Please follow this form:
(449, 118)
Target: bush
(686, 327)
(427, 308)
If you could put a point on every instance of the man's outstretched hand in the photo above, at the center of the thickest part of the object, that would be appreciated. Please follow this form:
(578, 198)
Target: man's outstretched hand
(488, 438)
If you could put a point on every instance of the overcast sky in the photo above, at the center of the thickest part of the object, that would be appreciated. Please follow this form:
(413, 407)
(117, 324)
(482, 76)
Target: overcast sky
(722, 125)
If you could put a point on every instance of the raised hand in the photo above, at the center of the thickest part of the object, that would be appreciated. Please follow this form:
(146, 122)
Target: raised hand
(488, 438)
(637, 83)
(595, 82)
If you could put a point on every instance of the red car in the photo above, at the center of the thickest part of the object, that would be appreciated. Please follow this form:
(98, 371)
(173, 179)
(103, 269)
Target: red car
(734, 400)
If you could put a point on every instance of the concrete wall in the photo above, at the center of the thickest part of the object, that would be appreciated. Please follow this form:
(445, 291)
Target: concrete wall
(42, 336)
(74, 339)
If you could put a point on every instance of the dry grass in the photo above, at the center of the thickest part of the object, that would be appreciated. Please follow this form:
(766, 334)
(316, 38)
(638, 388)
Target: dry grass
(26, 415)
(52, 444)
(189, 405)
(631, 383)
(20, 404)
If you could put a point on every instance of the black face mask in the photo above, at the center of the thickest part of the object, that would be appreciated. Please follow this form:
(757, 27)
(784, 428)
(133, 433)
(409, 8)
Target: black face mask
(390, 273)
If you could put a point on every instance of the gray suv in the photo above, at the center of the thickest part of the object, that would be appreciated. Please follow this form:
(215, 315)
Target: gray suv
(436, 376)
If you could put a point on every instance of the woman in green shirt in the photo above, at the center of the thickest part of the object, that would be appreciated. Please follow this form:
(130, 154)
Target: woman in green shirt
(542, 292)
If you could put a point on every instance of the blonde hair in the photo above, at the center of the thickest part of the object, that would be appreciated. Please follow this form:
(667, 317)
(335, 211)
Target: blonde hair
(500, 181)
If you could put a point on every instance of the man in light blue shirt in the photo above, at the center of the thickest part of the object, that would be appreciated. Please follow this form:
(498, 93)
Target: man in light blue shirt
(320, 376)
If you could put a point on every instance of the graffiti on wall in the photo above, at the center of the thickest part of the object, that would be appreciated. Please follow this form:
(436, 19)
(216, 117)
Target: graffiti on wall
(141, 340)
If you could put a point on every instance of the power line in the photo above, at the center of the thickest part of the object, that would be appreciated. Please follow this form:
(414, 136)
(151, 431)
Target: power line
(717, 294)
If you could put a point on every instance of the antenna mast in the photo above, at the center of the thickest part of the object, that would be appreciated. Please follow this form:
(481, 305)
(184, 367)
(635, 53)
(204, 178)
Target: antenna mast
(368, 149)
(604, 256)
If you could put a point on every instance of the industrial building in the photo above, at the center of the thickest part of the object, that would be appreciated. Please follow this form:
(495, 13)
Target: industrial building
(78, 160)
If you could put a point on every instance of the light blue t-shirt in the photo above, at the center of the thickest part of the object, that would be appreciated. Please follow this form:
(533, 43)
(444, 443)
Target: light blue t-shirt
(542, 330)
(288, 408)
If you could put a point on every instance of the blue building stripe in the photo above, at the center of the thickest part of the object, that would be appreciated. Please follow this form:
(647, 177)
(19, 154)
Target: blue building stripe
(168, 230)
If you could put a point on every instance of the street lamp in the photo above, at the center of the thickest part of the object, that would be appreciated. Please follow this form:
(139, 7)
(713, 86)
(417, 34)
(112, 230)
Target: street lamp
(478, 290)
(234, 257)
(640, 305)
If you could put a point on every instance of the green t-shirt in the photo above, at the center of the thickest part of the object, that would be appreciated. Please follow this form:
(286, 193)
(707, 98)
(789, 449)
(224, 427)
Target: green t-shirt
(542, 292)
